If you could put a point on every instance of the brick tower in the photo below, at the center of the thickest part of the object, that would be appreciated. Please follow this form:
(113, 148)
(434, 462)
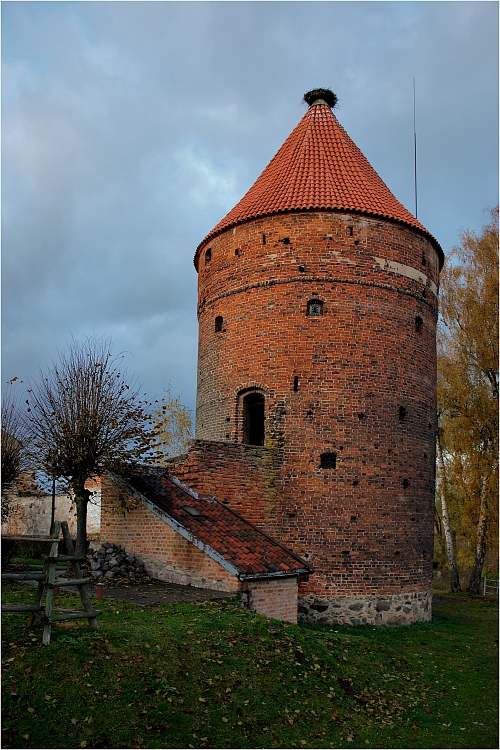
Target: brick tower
(317, 371)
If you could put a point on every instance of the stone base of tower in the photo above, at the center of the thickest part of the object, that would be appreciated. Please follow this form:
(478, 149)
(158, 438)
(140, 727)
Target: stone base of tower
(393, 609)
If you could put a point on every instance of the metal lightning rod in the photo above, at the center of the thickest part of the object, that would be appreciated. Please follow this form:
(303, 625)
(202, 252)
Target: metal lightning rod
(415, 151)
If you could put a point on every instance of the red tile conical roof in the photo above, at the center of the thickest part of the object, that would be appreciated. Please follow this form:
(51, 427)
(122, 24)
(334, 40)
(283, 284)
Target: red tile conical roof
(319, 168)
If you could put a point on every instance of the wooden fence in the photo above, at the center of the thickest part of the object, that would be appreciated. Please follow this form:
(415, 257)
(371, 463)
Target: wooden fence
(490, 586)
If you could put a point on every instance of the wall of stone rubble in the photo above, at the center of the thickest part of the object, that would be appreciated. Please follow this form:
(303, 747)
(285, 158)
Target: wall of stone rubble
(398, 609)
(113, 561)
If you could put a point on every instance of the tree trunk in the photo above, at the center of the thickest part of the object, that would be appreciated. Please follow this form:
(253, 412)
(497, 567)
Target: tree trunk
(450, 551)
(82, 497)
(482, 527)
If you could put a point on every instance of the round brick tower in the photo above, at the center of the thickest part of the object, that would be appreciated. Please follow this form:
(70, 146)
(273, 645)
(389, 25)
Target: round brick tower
(317, 327)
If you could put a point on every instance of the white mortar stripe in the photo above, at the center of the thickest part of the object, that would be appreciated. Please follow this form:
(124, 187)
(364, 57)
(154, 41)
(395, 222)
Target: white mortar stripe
(411, 273)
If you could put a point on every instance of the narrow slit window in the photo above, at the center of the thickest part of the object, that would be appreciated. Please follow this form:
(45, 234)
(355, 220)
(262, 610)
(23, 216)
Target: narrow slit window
(315, 307)
(402, 413)
(219, 322)
(419, 324)
(208, 255)
(296, 383)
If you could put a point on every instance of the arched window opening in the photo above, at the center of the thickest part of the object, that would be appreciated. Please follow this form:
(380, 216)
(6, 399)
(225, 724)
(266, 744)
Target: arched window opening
(253, 418)
(315, 307)
(219, 322)
(208, 255)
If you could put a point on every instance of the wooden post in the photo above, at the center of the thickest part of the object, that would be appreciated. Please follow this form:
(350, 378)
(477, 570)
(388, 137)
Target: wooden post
(51, 577)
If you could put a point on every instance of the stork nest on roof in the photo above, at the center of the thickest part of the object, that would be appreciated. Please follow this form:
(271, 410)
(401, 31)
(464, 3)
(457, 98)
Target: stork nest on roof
(326, 94)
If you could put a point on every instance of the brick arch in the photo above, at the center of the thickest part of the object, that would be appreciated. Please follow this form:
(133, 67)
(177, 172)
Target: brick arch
(251, 403)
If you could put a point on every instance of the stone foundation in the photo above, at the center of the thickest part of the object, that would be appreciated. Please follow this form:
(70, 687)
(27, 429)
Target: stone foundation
(171, 573)
(395, 609)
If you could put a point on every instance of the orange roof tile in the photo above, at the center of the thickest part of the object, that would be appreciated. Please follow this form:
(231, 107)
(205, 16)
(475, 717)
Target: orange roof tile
(221, 532)
(319, 168)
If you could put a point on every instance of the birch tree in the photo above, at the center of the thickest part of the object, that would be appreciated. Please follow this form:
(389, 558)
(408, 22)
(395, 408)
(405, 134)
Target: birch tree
(443, 492)
(468, 389)
(172, 427)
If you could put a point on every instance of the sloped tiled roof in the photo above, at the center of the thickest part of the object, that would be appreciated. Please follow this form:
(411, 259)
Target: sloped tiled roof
(216, 529)
(319, 168)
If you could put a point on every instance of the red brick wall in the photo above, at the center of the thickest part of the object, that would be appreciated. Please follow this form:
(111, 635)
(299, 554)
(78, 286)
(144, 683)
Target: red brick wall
(366, 390)
(275, 598)
(245, 477)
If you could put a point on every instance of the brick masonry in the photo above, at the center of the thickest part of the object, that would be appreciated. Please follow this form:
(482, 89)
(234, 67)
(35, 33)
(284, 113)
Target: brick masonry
(357, 382)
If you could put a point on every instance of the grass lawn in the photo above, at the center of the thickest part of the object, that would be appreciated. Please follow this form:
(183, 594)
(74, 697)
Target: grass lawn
(216, 676)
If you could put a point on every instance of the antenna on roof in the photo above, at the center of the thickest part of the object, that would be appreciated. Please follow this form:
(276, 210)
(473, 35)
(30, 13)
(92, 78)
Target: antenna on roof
(415, 150)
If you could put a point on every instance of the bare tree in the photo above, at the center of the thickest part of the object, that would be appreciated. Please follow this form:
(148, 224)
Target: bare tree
(15, 437)
(85, 418)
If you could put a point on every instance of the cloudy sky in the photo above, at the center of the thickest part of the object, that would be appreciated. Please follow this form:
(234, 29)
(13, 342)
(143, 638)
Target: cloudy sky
(129, 129)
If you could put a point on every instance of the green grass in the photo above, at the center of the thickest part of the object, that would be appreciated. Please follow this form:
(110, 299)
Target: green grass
(214, 675)
(27, 560)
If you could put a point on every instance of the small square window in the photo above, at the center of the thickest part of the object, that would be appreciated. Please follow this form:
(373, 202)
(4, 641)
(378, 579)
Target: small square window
(328, 461)
(315, 307)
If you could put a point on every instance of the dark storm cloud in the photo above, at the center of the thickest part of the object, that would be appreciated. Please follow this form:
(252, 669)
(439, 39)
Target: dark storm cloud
(131, 129)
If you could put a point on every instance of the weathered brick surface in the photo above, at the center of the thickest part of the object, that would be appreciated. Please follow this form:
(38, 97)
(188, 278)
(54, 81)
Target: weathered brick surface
(275, 598)
(365, 391)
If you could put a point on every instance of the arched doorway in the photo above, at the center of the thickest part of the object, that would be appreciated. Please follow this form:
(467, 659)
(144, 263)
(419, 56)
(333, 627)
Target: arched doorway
(253, 418)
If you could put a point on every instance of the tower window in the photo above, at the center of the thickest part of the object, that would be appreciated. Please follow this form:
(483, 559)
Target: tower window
(315, 307)
(253, 418)
(219, 322)
(402, 413)
(328, 461)
(208, 255)
(419, 324)
(296, 383)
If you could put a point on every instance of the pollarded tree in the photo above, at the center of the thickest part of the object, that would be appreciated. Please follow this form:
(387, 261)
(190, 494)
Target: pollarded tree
(468, 387)
(86, 417)
(15, 440)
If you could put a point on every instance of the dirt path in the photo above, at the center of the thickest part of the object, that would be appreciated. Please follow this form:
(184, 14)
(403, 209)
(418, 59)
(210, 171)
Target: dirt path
(146, 592)
(149, 593)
